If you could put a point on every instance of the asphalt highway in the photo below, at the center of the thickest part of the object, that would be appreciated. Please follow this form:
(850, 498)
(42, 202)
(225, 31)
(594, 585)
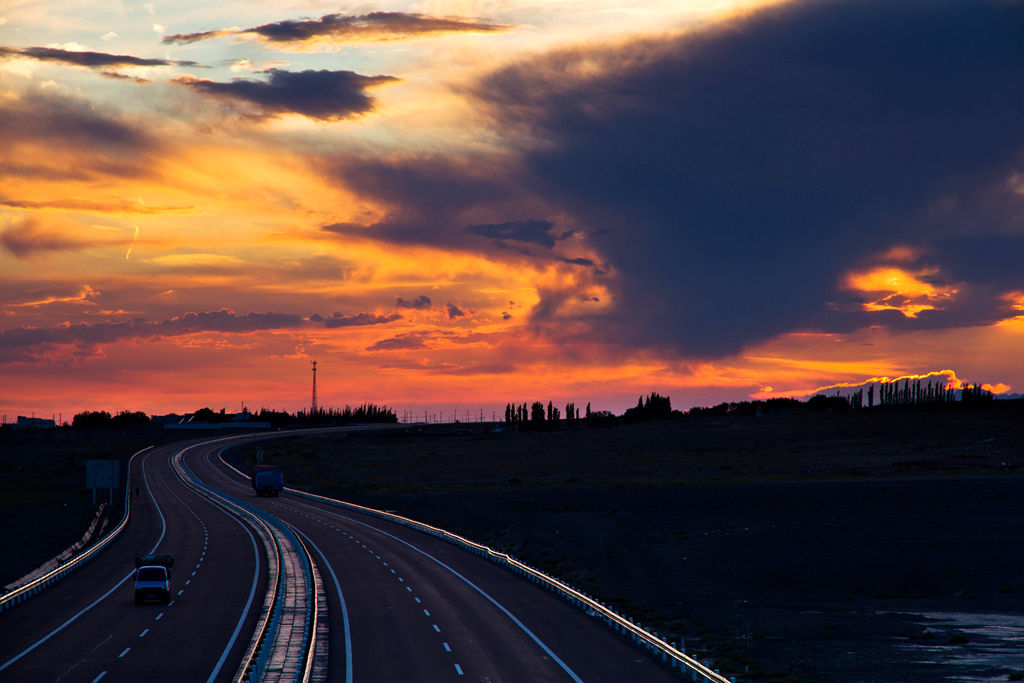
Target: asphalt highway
(87, 627)
(407, 606)
(402, 605)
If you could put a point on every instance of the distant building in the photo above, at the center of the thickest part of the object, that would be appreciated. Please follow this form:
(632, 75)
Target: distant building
(34, 423)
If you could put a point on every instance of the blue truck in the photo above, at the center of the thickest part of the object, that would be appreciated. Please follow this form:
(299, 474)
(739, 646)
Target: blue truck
(267, 480)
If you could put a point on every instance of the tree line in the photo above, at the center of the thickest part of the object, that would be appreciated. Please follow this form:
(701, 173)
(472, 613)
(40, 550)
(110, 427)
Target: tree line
(365, 413)
(538, 417)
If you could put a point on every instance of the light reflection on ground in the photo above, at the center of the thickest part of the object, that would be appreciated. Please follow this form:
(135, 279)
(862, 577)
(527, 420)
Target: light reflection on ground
(980, 647)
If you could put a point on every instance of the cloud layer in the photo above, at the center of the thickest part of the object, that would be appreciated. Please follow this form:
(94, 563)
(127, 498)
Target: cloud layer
(319, 94)
(373, 26)
(731, 176)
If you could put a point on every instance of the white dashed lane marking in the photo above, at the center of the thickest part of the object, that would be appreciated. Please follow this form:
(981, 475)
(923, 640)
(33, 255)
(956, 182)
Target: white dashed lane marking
(426, 612)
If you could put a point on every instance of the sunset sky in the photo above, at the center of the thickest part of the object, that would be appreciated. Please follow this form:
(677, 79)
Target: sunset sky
(454, 204)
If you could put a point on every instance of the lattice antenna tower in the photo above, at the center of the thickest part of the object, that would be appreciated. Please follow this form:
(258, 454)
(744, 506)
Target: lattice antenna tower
(313, 411)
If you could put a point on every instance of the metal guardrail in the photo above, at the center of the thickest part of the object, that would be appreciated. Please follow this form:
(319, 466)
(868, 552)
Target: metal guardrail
(271, 653)
(31, 588)
(674, 657)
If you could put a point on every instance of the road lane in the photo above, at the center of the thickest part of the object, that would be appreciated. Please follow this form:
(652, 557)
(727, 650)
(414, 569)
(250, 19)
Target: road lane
(112, 639)
(420, 608)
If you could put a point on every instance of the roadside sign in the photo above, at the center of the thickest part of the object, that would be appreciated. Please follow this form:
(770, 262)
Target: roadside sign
(103, 474)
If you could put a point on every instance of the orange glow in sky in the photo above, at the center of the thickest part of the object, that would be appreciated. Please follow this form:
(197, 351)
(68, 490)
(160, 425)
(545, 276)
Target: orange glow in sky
(452, 206)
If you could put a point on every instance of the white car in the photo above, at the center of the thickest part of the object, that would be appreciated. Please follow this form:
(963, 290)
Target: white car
(153, 578)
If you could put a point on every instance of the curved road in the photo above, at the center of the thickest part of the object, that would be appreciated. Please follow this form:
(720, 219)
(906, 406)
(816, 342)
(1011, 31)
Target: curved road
(402, 605)
(87, 627)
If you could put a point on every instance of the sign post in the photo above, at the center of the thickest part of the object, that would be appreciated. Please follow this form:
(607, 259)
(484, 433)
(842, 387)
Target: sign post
(103, 474)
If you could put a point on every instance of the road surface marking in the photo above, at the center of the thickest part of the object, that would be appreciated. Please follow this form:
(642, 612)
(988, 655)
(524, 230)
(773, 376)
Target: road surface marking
(102, 674)
(436, 628)
(447, 647)
(458, 669)
(417, 600)
(126, 651)
(163, 532)
(426, 612)
(144, 633)
(159, 616)
(565, 667)
(344, 609)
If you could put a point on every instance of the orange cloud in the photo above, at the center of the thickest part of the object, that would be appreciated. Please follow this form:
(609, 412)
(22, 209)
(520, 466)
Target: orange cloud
(895, 289)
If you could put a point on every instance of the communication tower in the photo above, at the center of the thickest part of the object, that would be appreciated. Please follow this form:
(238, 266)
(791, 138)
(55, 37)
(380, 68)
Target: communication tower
(313, 411)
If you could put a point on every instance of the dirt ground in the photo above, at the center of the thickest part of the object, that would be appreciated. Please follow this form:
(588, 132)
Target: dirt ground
(872, 546)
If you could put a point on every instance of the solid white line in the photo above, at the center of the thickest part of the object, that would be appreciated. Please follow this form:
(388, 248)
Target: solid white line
(248, 603)
(515, 620)
(256, 573)
(341, 601)
(51, 634)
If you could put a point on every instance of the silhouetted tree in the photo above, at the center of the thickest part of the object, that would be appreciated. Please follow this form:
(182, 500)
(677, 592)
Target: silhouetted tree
(91, 419)
(130, 419)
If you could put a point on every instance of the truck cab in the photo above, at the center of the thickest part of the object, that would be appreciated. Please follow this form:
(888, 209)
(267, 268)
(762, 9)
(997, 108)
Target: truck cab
(153, 578)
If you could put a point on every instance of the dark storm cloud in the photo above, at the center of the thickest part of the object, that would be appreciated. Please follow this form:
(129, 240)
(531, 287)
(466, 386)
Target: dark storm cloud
(532, 231)
(323, 95)
(732, 176)
(421, 302)
(221, 321)
(427, 197)
(359, 319)
(372, 26)
(86, 58)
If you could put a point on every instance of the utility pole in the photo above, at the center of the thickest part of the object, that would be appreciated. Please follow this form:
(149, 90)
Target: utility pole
(313, 411)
